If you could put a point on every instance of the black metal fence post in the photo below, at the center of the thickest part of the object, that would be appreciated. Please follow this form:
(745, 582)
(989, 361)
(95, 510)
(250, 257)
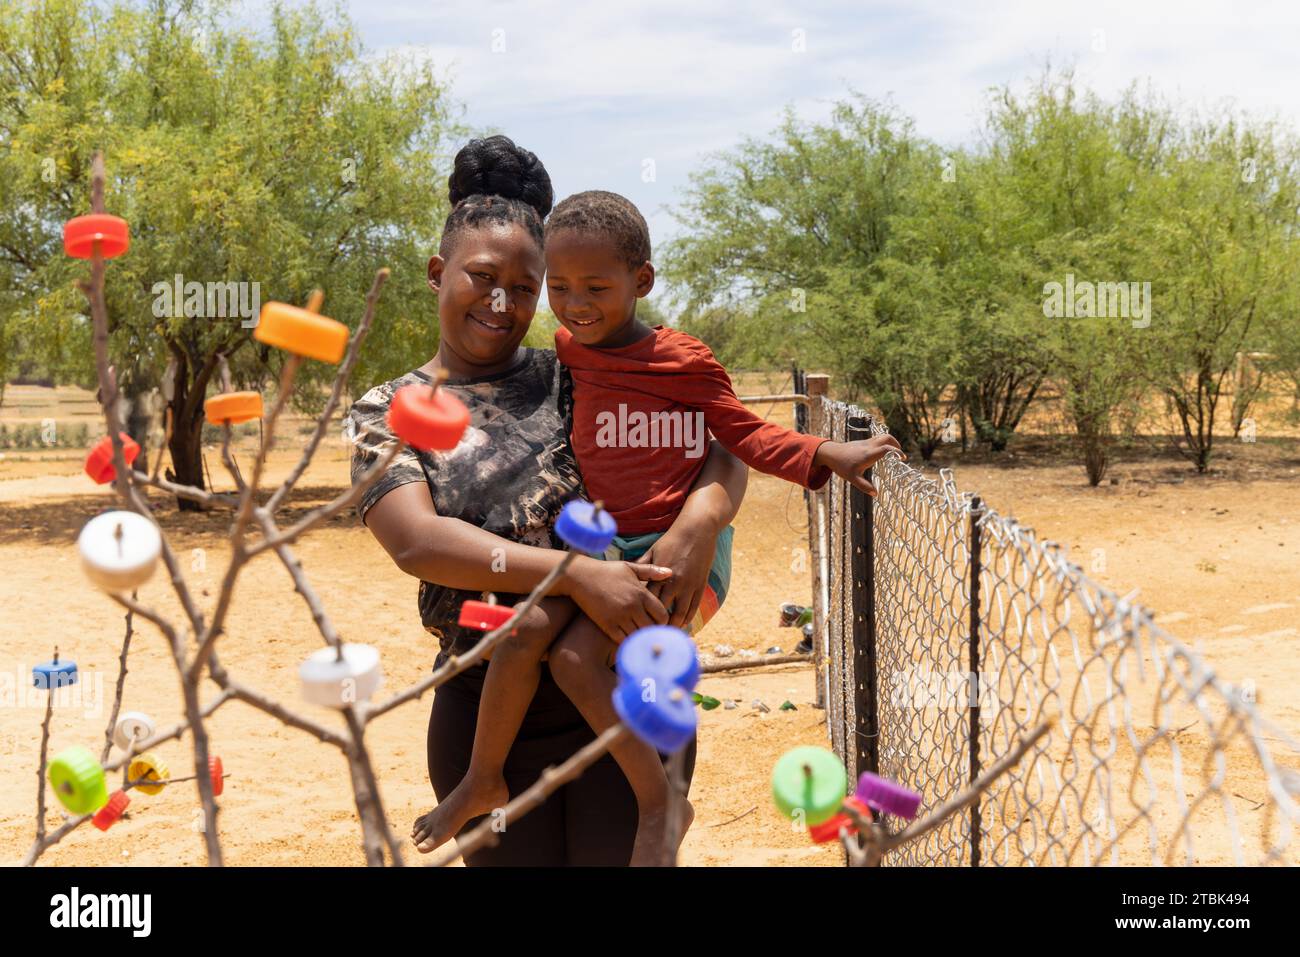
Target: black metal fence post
(973, 687)
(862, 541)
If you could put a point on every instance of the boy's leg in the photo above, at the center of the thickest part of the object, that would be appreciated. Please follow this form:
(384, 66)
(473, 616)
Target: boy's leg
(719, 582)
(601, 814)
(580, 661)
(512, 677)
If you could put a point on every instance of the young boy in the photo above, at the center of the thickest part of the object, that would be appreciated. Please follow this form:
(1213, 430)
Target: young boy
(644, 402)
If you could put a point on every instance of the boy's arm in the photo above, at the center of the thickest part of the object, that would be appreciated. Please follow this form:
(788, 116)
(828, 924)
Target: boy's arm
(850, 460)
(806, 460)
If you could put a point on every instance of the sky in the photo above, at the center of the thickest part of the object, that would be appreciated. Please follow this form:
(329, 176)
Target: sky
(632, 96)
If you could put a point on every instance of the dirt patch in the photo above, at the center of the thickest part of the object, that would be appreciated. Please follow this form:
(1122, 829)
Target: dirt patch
(1218, 556)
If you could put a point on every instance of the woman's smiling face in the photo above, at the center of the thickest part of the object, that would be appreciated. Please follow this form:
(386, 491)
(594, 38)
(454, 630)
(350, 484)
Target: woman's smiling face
(487, 289)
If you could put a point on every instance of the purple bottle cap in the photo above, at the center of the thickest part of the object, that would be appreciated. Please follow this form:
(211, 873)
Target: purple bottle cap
(886, 796)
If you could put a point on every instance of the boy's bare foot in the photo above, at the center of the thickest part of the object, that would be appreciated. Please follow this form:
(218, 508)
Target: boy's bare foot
(467, 800)
(652, 834)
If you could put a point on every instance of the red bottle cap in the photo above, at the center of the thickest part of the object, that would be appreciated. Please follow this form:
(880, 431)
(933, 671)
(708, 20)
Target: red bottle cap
(111, 813)
(425, 420)
(99, 463)
(481, 616)
(218, 774)
(111, 232)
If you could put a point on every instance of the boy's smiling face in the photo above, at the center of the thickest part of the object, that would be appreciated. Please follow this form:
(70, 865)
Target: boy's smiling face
(592, 290)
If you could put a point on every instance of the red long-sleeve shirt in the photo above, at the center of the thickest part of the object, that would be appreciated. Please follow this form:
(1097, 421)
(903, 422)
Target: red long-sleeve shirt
(641, 418)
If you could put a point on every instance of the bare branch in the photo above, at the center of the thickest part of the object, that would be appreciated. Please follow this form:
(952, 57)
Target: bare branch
(40, 770)
(300, 583)
(283, 714)
(119, 689)
(367, 797)
(343, 501)
(184, 491)
(456, 664)
(972, 793)
(45, 842)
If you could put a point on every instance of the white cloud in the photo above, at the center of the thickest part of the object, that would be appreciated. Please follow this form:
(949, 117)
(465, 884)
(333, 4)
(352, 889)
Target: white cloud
(595, 87)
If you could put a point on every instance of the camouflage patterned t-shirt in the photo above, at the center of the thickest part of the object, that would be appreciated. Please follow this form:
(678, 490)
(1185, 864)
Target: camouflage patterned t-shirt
(510, 475)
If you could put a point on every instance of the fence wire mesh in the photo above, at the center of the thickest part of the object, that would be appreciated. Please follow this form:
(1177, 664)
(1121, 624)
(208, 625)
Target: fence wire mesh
(950, 631)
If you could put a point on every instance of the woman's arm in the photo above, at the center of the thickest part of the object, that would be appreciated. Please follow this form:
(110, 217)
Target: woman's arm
(451, 552)
(687, 547)
(454, 553)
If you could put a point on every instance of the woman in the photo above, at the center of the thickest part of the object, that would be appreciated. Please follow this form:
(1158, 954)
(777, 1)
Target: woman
(481, 518)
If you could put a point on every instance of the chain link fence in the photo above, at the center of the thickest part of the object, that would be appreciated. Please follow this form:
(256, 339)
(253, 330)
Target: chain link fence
(947, 631)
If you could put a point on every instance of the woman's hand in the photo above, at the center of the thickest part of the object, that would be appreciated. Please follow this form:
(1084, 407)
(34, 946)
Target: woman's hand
(614, 594)
(688, 552)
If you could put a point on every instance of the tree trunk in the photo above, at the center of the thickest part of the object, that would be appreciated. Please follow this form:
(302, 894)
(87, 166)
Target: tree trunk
(139, 418)
(189, 386)
(1000, 401)
(186, 451)
(1094, 443)
(185, 447)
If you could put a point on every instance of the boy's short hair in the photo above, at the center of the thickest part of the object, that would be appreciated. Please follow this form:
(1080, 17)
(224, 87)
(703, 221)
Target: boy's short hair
(605, 214)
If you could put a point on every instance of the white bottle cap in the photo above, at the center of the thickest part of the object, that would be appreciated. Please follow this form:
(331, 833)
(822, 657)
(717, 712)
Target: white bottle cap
(133, 726)
(332, 683)
(119, 550)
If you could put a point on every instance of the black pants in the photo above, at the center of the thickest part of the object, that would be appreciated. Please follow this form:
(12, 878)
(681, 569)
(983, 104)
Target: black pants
(590, 821)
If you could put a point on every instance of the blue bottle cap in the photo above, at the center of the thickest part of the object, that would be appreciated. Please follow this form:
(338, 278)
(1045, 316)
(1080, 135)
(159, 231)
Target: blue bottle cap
(582, 529)
(54, 674)
(660, 714)
(659, 651)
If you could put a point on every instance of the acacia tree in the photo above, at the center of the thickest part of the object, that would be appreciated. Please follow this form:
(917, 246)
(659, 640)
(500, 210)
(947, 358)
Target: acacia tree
(860, 247)
(965, 275)
(908, 354)
(1067, 167)
(1284, 365)
(785, 235)
(282, 158)
(909, 271)
(1219, 228)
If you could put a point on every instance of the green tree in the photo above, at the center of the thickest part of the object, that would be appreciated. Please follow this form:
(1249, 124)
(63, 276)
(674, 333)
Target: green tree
(921, 277)
(1219, 228)
(784, 238)
(1065, 164)
(966, 275)
(858, 247)
(283, 157)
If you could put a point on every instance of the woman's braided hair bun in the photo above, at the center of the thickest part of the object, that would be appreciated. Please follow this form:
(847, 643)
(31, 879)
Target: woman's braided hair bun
(496, 183)
(495, 166)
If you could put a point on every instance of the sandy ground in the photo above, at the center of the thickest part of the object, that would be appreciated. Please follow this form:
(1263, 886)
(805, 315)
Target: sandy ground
(1218, 556)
